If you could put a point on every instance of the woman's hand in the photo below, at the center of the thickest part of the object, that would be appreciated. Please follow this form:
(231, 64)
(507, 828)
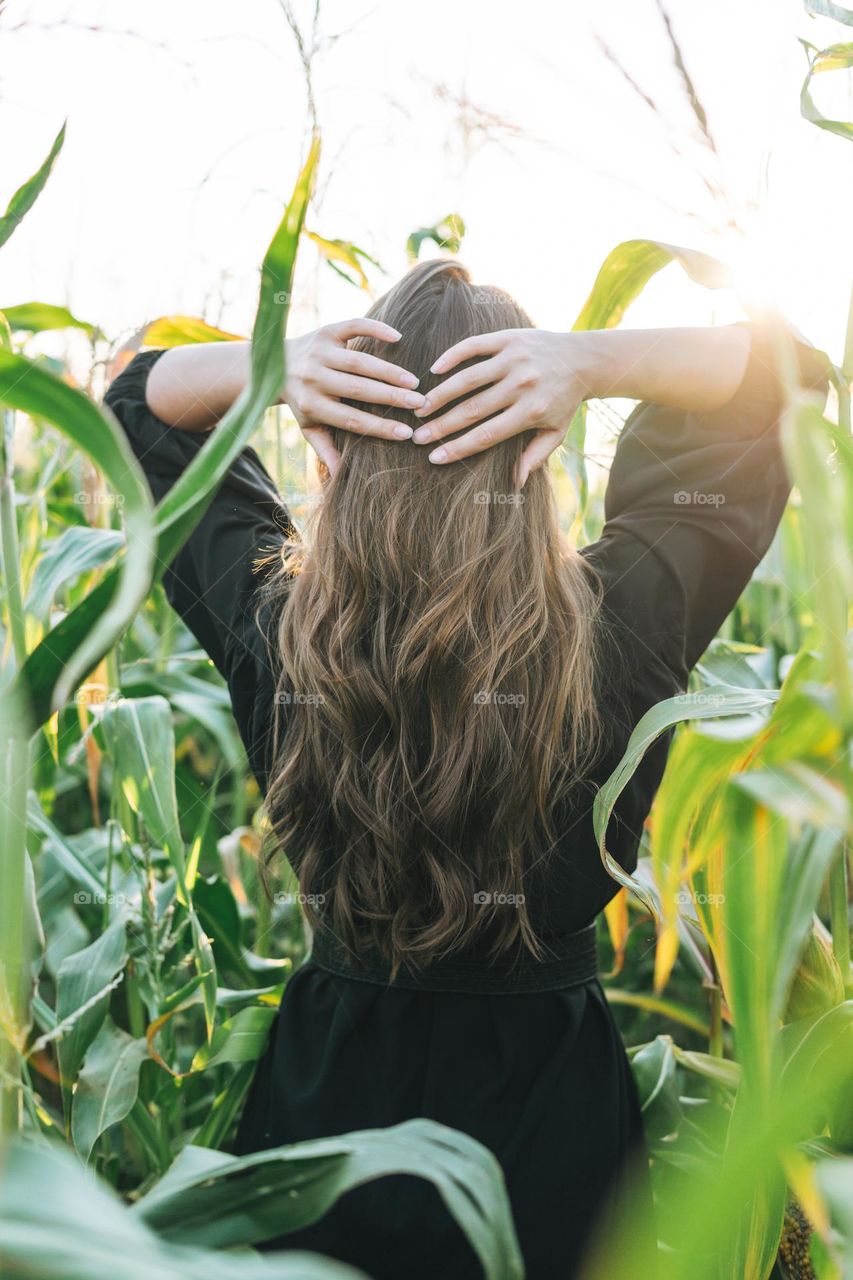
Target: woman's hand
(322, 371)
(533, 380)
(530, 380)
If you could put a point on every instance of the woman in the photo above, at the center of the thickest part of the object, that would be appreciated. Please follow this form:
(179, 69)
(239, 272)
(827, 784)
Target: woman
(430, 692)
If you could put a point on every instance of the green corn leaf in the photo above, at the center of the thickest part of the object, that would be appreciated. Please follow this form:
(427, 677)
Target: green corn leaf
(206, 970)
(60, 1223)
(219, 915)
(627, 270)
(750, 1247)
(677, 1013)
(343, 253)
(826, 9)
(181, 331)
(86, 877)
(622, 276)
(38, 317)
(225, 1107)
(242, 1038)
(201, 701)
(835, 1182)
(78, 550)
(82, 996)
(26, 386)
(140, 738)
(799, 793)
(836, 58)
(25, 197)
(188, 499)
(448, 234)
(45, 675)
(753, 883)
(806, 869)
(107, 1086)
(207, 1197)
(811, 443)
(656, 721)
(654, 1068)
(706, 1212)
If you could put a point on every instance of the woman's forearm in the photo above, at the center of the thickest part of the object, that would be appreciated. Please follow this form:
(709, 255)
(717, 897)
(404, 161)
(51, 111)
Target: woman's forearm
(694, 369)
(192, 387)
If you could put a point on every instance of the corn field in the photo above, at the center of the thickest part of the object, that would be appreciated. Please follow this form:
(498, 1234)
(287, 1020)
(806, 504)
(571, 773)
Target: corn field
(141, 962)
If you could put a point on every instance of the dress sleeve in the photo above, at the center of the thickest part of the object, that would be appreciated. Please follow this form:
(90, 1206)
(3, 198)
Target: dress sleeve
(692, 505)
(213, 580)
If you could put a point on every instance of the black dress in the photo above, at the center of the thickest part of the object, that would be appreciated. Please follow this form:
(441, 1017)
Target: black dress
(541, 1079)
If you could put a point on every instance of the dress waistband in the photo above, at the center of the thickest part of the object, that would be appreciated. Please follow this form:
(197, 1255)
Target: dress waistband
(569, 961)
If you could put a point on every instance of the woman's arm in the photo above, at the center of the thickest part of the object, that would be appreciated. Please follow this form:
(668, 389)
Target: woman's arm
(192, 387)
(530, 379)
(693, 369)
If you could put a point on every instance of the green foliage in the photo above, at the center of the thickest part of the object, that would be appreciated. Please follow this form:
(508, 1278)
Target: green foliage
(38, 317)
(208, 1198)
(622, 276)
(447, 234)
(837, 57)
(25, 197)
(141, 967)
(139, 1047)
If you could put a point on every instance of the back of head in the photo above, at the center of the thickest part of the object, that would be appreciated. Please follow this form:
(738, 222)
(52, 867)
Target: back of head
(437, 642)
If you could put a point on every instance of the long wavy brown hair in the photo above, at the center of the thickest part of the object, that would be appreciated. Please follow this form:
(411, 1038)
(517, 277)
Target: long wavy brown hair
(437, 638)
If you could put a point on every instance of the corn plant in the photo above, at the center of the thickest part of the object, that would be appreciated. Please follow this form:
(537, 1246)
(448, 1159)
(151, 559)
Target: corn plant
(141, 965)
(746, 867)
(132, 1010)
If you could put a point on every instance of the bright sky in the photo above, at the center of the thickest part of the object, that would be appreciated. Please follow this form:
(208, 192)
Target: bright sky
(187, 122)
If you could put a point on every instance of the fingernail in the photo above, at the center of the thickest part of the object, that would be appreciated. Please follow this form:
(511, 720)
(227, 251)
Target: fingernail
(424, 409)
(410, 380)
(422, 435)
(438, 455)
(414, 400)
(437, 367)
(402, 433)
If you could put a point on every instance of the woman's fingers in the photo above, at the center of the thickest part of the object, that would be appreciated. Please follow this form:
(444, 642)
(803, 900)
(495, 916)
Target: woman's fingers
(349, 387)
(480, 406)
(482, 437)
(367, 366)
(481, 344)
(463, 383)
(320, 440)
(334, 414)
(536, 453)
(361, 327)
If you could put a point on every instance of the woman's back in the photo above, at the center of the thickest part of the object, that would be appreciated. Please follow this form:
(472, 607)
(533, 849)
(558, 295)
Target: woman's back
(407, 798)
